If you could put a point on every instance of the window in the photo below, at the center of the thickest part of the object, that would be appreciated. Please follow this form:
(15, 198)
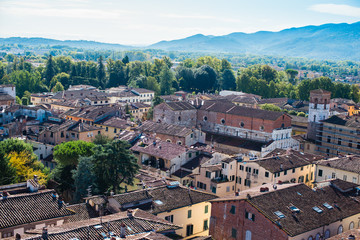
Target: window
(250, 216)
(340, 229)
(285, 172)
(205, 118)
(352, 225)
(189, 155)
(213, 189)
(266, 174)
(328, 139)
(354, 180)
(208, 174)
(233, 232)
(206, 225)
(227, 189)
(107, 129)
(242, 124)
(344, 177)
(170, 218)
(350, 143)
(320, 173)
(261, 128)
(339, 141)
(189, 229)
(327, 234)
(248, 235)
(333, 175)
(114, 130)
(248, 169)
(256, 171)
(206, 208)
(293, 170)
(241, 167)
(222, 121)
(302, 168)
(179, 118)
(189, 213)
(279, 214)
(62, 134)
(247, 182)
(310, 238)
(233, 209)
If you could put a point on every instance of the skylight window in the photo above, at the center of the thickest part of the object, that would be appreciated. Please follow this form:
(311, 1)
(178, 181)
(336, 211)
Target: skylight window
(294, 209)
(328, 206)
(279, 214)
(317, 209)
(158, 202)
(299, 193)
(97, 226)
(130, 230)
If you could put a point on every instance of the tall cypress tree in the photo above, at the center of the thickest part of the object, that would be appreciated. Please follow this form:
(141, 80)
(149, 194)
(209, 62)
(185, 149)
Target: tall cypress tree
(50, 69)
(101, 75)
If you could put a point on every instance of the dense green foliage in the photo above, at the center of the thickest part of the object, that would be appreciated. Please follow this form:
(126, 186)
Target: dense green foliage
(204, 74)
(100, 166)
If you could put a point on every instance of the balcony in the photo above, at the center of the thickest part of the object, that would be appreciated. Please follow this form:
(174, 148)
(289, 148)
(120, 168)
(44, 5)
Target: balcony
(220, 180)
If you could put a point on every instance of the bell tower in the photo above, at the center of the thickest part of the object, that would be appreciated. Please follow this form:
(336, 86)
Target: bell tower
(319, 109)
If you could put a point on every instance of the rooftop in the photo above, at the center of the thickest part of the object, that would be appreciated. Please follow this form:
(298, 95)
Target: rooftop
(230, 108)
(350, 163)
(288, 160)
(320, 91)
(91, 112)
(115, 122)
(353, 122)
(332, 206)
(31, 207)
(78, 94)
(141, 225)
(179, 106)
(164, 128)
(160, 149)
(164, 198)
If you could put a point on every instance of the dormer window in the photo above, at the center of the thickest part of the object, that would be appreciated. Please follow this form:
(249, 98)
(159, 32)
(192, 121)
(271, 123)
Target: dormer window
(294, 209)
(279, 214)
(317, 209)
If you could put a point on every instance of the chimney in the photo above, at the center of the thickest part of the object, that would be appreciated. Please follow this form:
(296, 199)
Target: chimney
(60, 202)
(45, 235)
(122, 230)
(130, 213)
(36, 178)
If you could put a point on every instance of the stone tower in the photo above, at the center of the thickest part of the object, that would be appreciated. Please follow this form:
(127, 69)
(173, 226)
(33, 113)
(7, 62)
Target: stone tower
(319, 109)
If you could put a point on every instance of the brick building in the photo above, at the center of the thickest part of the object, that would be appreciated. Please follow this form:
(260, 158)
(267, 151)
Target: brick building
(270, 129)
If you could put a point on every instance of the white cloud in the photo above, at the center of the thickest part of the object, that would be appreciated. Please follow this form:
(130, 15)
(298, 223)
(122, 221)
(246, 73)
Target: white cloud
(337, 9)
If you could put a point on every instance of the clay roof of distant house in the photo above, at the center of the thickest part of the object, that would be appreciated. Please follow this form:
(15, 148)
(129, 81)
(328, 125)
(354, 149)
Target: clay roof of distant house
(164, 128)
(320, 91)
(128, 135)
(181, 173)
(353, 121)
(179, 106)
(83, 127)
(162, 149)
(242, 99)
(71, 103)
(115, 122)
(82, 212)
(6, 97)
(168, 198)
(171, 98)
(282, 162)
(230, 108)
(276, 101)
(299, 119)
(141, 226)
(91, 112)
(196, 162)
(138, 105)
(350, 163)
(304, 198)
(142, 90)
(31, 207)
(78, 94)
(345, 235)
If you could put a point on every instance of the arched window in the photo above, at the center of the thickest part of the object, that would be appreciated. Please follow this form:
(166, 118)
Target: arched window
(205, 118)
(242, 124)
(223, 121)
(352, 225)
(310, 238)
(340, 229)
(179, 118)
(327, 233)
(262, 128)
(317, 237)
(248, 235)
(282, 125)
(314, 118)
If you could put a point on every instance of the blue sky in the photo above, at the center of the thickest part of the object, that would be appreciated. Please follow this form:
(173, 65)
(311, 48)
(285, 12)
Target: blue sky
(139, 22)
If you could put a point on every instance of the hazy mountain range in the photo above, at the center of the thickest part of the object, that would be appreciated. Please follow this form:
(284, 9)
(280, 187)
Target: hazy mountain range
(328, 41)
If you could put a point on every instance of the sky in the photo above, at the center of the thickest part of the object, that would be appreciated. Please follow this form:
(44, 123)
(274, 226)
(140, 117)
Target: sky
(143, 22)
